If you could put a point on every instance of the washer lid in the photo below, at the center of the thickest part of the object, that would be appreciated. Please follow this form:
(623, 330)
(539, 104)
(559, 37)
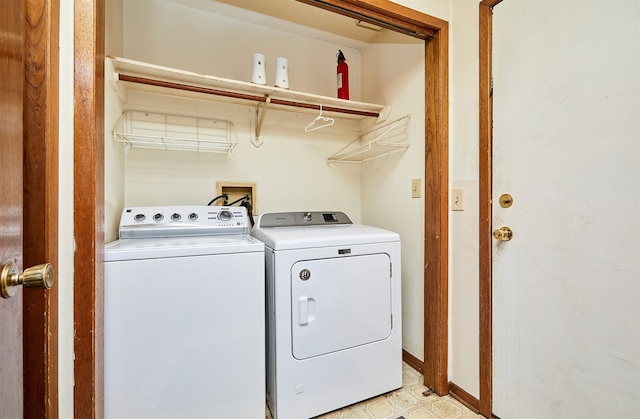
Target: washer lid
(154, 248)
(285, 238)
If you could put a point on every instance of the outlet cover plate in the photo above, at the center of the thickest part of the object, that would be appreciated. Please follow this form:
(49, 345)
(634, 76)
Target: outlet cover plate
(457, 200)
(416, 188)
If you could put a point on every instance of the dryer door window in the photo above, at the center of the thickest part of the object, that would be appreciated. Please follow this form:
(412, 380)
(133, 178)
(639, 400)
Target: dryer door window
(340, 303)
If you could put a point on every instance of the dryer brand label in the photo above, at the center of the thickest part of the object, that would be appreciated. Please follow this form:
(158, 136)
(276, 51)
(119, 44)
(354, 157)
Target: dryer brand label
(305, 274)
(344, 251)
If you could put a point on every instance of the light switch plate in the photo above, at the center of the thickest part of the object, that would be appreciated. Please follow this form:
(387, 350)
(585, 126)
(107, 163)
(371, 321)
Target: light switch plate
(457, 200)
(416, 188)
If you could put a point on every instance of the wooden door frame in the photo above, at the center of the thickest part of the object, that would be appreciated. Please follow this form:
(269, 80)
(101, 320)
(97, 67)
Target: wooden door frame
(485, 180)
(89, 26)
(88, 218)
(40, 212)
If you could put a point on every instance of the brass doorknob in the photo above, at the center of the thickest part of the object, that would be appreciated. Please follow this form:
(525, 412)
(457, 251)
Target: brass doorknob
(503, 233)
(39, 276)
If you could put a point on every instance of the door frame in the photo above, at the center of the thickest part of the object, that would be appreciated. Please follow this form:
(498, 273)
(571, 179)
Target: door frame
(89, 26)
(40, 211)
(88, 218)
(485, 214)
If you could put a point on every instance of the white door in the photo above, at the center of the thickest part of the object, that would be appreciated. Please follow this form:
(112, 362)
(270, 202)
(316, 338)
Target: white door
(566, 147)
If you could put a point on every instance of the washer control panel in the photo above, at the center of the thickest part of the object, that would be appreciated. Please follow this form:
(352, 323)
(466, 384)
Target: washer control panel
(291, 219)
(186, 220)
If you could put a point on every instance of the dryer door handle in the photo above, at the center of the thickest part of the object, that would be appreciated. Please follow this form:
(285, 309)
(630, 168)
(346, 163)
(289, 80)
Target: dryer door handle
(303, 310)
(306, 310)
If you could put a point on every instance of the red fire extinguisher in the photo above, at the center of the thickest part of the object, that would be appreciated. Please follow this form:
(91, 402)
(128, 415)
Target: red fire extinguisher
(343, 77)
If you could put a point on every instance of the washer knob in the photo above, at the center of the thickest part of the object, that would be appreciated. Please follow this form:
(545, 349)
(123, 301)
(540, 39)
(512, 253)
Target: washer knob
(193, 216)
(176, 217)
(139, 217)
(225, 215)
(307, 216)
(158, 217)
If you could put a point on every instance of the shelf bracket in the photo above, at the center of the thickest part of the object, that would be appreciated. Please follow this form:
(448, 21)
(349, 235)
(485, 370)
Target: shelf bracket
(261, 111)
(113, 77)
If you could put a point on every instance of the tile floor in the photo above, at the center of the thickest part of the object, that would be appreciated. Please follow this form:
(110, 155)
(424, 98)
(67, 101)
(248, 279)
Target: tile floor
(407, 402)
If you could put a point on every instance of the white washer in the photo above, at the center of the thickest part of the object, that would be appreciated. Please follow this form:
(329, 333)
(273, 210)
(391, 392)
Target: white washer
(184, 315)
(334, 334)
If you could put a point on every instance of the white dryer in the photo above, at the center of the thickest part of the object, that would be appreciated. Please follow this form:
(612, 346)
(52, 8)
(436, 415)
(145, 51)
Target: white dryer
(334, 334)
(184, 315)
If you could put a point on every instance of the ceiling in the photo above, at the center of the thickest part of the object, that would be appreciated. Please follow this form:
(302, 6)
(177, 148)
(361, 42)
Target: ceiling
(296, 17)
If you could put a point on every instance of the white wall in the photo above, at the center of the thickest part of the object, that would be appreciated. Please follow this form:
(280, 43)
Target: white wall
(114, 157)
(463, 232)
(65, 214)
(396, 75)
(436, 8)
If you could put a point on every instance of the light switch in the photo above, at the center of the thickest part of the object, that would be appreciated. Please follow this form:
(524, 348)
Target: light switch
(416, 188)
(457, 196)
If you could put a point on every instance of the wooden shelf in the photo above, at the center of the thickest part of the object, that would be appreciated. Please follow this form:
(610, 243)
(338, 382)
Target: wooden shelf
(382, 139)
(148, 77)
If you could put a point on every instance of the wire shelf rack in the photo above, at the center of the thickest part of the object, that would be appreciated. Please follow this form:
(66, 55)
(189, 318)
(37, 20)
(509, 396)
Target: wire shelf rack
(174, 132)
(379, 141)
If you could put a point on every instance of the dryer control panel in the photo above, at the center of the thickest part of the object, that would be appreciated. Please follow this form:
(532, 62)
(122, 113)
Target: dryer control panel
(297, 219)
(185, 220)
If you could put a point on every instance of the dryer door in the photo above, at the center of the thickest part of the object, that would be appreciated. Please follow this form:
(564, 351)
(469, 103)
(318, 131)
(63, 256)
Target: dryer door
(340, 303)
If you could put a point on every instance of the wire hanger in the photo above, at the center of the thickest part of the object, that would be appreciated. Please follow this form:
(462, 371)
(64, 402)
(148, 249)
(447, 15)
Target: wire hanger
(322, 120)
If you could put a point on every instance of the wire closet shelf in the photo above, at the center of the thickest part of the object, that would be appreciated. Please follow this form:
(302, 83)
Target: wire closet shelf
(174, 132)
(379, 141)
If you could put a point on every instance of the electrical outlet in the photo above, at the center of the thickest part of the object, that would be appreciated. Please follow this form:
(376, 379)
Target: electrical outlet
(415, 188)
(457, 201)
